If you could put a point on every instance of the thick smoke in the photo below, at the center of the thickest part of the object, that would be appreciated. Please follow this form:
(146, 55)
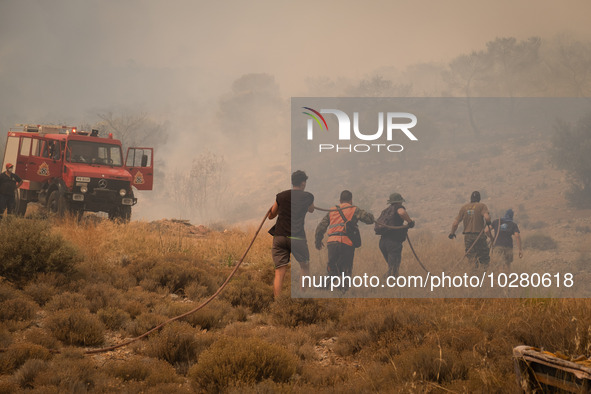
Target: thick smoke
(218, 77)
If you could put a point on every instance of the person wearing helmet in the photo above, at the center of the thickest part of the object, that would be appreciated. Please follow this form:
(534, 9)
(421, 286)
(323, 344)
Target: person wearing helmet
(9, 182)
(504, 231)
(475, 217)
(391, 239)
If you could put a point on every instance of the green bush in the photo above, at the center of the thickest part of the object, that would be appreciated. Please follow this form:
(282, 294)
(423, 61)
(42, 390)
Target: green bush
(29, 247)
(77, 327)
(539, 242)
(233, 361)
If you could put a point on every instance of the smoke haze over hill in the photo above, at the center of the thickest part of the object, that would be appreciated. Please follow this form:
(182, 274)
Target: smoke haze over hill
(220, 75)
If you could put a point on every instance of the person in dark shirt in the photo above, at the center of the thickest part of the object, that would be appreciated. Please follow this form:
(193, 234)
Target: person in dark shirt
(9, 182)
(289, 236)
(391, 241)
(504, 229)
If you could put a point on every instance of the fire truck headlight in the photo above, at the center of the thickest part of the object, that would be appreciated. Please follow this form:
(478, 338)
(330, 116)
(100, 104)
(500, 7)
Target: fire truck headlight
(83, 188)
(122, 192)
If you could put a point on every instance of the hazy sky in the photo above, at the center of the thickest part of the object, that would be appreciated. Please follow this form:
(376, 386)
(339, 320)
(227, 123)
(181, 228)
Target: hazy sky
(65, 61)
(289, 39)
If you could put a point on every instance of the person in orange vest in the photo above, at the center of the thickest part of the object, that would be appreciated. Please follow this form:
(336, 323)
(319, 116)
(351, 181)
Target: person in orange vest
(341, 250)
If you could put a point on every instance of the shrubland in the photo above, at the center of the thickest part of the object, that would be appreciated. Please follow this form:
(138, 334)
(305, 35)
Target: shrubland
(106, 282)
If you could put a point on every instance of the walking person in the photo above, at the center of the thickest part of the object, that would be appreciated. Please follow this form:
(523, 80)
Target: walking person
(391, 239)
(341, 248)
(504, 231)
(9, 182)
(474, 216)
(289, 237)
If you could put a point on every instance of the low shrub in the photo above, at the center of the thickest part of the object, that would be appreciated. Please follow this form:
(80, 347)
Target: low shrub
(18, 309)
(25, 376)
(143, 323)
(539, 242)
(41, 292)
(76, 327)
(253, 294)
(67, 300)
(143, 369)
(216, 314)
(113, 318)
(70, 372)
(40, 336)
(176, 343)
(292, 312)
(17, 353)
(101, 295)
(30, 247)
(231, 361)
(174, 274)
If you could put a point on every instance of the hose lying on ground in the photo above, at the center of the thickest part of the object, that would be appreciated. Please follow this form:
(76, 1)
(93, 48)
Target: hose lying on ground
(207, 301)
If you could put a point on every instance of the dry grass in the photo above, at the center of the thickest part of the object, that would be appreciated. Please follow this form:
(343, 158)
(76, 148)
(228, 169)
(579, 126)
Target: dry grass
(132, 277)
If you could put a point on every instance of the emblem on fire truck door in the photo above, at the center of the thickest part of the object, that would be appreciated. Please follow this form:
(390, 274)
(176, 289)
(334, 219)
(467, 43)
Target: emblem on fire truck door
(43, 169)
(138, 178)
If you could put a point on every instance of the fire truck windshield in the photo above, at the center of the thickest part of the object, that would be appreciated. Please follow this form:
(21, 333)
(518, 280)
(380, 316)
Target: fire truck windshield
(93, 153)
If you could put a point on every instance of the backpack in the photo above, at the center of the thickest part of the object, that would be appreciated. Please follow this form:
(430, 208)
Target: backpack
(384, 216)
(351, 230)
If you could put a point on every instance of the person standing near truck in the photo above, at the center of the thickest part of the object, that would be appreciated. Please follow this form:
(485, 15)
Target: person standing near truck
(9, 182)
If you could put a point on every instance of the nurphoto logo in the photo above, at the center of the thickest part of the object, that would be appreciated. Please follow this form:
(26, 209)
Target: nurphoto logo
(395, 122)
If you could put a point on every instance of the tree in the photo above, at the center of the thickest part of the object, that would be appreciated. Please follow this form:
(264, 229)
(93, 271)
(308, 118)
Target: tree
(133, 129)
(569, 66)
(513, 64)
(378, 86)
(571, 145)
(202, 187)
(253, 105)
(464, 72)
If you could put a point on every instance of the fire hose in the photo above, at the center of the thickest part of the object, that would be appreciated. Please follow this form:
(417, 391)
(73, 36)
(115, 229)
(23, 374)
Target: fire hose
(207, 301)
(388, 227)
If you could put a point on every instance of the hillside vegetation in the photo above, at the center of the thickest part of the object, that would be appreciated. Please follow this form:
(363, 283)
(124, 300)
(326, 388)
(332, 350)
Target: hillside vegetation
(117, 281)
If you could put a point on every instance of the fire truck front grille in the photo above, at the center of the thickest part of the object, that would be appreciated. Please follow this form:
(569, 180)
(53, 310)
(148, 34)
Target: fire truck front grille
(102, 184)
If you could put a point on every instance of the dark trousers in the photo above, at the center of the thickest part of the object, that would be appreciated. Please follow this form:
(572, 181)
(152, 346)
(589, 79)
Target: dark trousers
(7, 203)
(479, 254)
(392, 252)
(340, 259)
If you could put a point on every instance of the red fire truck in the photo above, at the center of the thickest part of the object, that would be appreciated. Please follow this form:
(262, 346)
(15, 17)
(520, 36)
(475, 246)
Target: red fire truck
(67, 170)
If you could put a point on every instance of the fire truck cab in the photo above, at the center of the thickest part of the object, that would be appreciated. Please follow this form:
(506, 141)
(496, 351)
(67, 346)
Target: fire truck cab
(67, 170)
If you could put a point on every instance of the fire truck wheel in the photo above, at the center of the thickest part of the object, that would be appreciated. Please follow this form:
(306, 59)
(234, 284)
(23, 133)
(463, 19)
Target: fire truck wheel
(122, 213)
(56, 203)
(21, 205)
